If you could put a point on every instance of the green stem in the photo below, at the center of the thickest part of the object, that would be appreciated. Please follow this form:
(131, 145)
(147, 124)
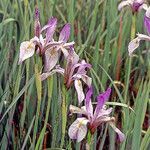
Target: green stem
(39, 93)
(64, 113)
(50, 90)
(129, 60)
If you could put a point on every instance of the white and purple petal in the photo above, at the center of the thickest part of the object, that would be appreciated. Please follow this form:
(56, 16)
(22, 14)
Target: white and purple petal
(79, 89)
(47, 74)
(78, 129)
(133, 45)
(51, 59)
(77, 110)
(119, 133)
(27, 50)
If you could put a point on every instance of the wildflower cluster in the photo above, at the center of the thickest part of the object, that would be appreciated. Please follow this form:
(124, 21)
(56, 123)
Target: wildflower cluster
(137, 5)
(74, 71)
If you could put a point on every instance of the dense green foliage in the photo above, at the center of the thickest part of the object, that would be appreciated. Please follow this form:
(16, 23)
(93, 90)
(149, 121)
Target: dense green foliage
(32, 113)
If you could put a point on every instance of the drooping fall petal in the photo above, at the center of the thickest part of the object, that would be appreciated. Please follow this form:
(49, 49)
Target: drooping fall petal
(78, 129)
(119, 133)
(51, 59)
(79, 89)
(27, 50)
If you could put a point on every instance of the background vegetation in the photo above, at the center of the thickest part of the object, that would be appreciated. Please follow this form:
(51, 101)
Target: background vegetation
(101, 34)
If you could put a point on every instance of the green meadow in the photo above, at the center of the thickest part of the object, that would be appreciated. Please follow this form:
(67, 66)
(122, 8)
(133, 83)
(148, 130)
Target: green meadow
(35, 115)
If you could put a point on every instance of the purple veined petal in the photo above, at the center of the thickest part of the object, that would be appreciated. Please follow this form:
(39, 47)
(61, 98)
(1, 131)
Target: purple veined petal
(133, 45)
(124, 4)
(50, 28)
(65, 33)
(147, 22)
(52, 44)
(79, 89)
(27, 50)
(50, 31)
(37, 26)
(51, 59)
(119, 133)
(77, 110)
(103, 112)
(88, 103)
(101, 100)
(103, 119)
(78, 129)
(47, 74)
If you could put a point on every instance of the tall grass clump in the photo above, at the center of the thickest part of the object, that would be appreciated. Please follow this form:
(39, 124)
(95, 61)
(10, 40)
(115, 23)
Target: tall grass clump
(75, 74)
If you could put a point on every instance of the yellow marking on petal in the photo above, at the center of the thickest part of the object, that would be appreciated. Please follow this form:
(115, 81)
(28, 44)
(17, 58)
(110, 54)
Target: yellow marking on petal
(52, 52)
(30, 46)
(79, 83)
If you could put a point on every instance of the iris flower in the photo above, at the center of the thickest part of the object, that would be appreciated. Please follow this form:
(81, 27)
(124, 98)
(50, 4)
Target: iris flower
(45, 45)
(74, 72)
(135, 5)
(134, 44)
(90, 119)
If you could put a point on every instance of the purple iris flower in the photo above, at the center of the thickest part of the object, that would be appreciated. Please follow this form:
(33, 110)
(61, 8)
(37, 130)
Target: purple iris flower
(44, 44)
(38, 43)
(91, 119)
(74, 72)
(135, 5)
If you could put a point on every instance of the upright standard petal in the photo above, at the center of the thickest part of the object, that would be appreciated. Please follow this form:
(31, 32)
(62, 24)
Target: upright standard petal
(79, 89)
(51, 59)
(65, 33)
(101, 100)
(27, 50)
(78, 129)
(133, 45)
(52, 23)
